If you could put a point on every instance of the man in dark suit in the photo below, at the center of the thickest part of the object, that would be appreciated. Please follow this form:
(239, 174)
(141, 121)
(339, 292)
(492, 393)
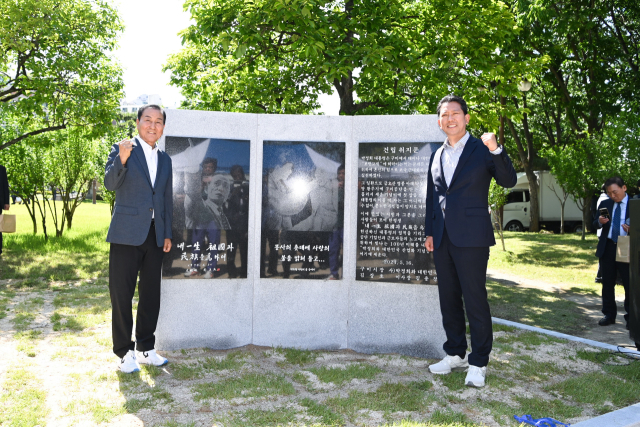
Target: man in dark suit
(140, 234)
(4, 195)
(613, 226)
(459, 233)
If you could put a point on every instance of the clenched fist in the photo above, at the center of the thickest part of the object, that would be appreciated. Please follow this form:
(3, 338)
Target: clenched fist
(124, 147)
(489, 139)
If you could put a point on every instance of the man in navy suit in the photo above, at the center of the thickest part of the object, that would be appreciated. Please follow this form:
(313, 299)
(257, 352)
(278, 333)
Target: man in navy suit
(140, 234)
(613, 226)
(459, 233)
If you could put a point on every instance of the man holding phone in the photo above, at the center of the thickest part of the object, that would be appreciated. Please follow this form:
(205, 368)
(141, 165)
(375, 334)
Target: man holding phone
(614, 213)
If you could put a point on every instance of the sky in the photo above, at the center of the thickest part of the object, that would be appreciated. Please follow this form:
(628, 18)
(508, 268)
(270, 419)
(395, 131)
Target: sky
(142, 55)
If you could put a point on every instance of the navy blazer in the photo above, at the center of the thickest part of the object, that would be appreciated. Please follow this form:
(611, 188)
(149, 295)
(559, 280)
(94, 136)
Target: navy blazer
(467, 206)
(136, 198)
(602, 240)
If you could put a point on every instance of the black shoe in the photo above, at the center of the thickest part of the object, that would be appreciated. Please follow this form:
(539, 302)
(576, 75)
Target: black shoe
(606, 321)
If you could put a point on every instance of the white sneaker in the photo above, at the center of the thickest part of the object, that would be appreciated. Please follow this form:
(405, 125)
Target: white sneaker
(208, 275)
(190, 272)
(128, 363)
(448, 364)
(151, 358)
(475, 376)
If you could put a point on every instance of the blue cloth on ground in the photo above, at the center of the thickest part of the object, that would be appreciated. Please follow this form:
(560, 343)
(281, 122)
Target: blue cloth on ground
(540, 422)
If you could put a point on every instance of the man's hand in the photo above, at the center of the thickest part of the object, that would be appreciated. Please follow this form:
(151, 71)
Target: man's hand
(6, 207)
(429, 244)
(626, 228)
(602, 220)
(124, 149)
(167, 245)
(489, 139)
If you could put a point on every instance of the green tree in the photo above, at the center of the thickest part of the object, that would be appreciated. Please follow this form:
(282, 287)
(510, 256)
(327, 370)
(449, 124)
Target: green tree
(497, 199)
(381, 57)
(27, 174)
(75, 161)
(590, 76)
(55, 67)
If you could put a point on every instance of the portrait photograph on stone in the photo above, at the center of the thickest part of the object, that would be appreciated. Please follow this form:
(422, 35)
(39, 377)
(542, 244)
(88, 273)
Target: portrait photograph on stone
(302, 210)
(392, 186)
(210, 208)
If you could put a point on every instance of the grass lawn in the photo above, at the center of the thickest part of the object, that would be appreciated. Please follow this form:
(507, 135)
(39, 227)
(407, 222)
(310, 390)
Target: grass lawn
(57, 367)
(562, 259)
(80, 253)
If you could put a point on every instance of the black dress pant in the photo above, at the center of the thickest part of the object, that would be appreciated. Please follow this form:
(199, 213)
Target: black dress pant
(125, 261)
(462, 273)
(610, 269)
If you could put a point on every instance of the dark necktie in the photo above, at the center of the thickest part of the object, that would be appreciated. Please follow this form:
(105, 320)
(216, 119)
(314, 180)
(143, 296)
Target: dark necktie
(615, 232)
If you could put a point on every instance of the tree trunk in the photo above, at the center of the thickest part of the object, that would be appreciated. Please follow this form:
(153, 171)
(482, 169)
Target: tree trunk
(562, 217)
(586, 208)
(534, 203)
(534, 215)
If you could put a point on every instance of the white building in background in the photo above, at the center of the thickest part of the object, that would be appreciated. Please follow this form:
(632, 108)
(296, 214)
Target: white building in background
(132, 106)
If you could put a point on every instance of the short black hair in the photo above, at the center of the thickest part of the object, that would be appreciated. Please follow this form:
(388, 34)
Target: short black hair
(614, 180)
(155, 107)
(212, 161)
(237, 168)
(452, 98)
(341, 167)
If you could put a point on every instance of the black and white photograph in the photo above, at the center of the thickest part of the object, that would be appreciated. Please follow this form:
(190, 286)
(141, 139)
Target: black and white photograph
(302, 210)
(210, 208)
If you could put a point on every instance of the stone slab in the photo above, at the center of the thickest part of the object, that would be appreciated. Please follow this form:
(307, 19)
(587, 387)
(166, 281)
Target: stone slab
(395, 318)
(204, 313)
(625, 417)
(313, 314)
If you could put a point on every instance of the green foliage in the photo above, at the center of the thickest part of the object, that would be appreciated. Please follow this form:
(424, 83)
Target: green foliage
(384, 57)
(55, 66)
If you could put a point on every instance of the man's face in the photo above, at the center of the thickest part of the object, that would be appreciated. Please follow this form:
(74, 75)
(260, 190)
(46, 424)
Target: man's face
(150, 126)
(208, 168)
(616, 193)
(453, 121)
(341, 176)
(218, 190)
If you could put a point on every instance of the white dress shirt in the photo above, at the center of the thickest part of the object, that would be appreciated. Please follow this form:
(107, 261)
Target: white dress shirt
(623, 210)
(451, 157)
(151, 154)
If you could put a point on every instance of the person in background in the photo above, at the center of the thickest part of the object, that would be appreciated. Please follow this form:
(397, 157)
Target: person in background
(4, 195)
(236, 209)
(613, 225)
(337, 235)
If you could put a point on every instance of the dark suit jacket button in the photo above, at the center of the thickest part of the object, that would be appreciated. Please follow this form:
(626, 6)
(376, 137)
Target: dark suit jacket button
(150, 209)
(154, 193)
(447, 192)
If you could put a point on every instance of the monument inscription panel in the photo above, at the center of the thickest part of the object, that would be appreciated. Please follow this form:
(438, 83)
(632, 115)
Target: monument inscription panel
(210, 208)
(302, 209)
(392, 186)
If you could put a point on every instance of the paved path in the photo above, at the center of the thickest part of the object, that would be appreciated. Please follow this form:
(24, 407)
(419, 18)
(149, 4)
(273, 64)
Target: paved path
(615, 334)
